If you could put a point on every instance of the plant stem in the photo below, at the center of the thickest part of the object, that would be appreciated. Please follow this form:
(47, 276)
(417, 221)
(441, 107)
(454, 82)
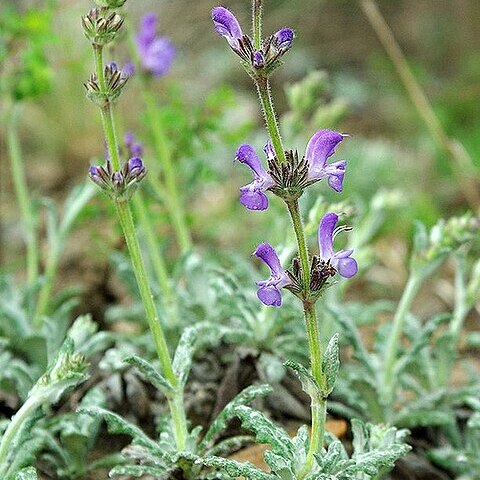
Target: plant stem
(391, 347)
(128, 227)
(163, 154)
(168, 192)
(23, 197)
(14, 427)
(297, 223)
(156, 257)
(257, 23)
(463, 167)
(462, 307)
(263, 89)
(319, 405)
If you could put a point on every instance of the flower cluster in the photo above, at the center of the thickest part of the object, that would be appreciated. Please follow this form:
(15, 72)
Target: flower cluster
(285, 181)
(118, 184)
(115, 80)
(156, 52)
(99, 28)
(257, 61)
(325, 266)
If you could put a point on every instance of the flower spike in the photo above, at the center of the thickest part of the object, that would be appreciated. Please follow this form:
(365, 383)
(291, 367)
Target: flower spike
(269, 291)
(252, 196)
(342, 260)
(321, 147)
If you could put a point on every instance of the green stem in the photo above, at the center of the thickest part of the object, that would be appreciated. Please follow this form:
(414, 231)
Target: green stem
(257, 23)
(23, 197)
(126, 221)
(294, 211)
(14, 427)
(163, 154)
(168, 192)
(391, 347)
(107, 114)
(319, 405)
(263, 89)
(462, 307)
(177, 410)
(156, 257)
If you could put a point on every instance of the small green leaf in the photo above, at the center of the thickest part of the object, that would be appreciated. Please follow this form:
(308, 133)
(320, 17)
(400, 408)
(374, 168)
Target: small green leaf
(331, 364)
(309, 384)
(138, 471)
(118, 425)
(266, 431)
(182, 361)
(245, 397)
(235, 469)
(28, 473)
(151, 373)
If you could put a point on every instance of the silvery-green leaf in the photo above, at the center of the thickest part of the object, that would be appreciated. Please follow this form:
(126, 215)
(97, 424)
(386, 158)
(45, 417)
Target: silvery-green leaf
(280, 466)
(118, 425)
(235, 469)
(150, 373)
(182, 360)
(28, 473)
(309, 384)
(138, 471)
(266, 431)
(331, 364)
(245, 397)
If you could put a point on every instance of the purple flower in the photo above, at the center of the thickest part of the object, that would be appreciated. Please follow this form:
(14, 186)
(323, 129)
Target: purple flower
(284, 39)
(133, 146)
(227, 25)
(156, 52)
(252, 196)
(269, 291)
(320, 147)
(342, 261)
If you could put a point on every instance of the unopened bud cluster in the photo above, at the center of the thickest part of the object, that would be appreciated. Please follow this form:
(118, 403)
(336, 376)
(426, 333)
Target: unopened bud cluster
(101, 26)
(115, 80)
(119, 185)
(259, 63)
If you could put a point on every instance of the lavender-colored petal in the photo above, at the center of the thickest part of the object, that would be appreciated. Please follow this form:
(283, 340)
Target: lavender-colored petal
(258, 60)
(148, 28)
(135, 166)
(158, 56)
(325, 236)
(246, 154)
(135, 148)
(129, 69)
(320, 147)
(227, 25)
(284, 39)
(347, 267)
(268, 254)
(253, 198)
(270, 296)
(335, 173)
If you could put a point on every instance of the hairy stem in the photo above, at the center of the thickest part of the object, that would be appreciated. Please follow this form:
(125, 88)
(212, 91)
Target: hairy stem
(257, 23)
(23, 197)
(126, 221)
(463, 167)
(391, 347)
(263, 89)
(14, 427)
